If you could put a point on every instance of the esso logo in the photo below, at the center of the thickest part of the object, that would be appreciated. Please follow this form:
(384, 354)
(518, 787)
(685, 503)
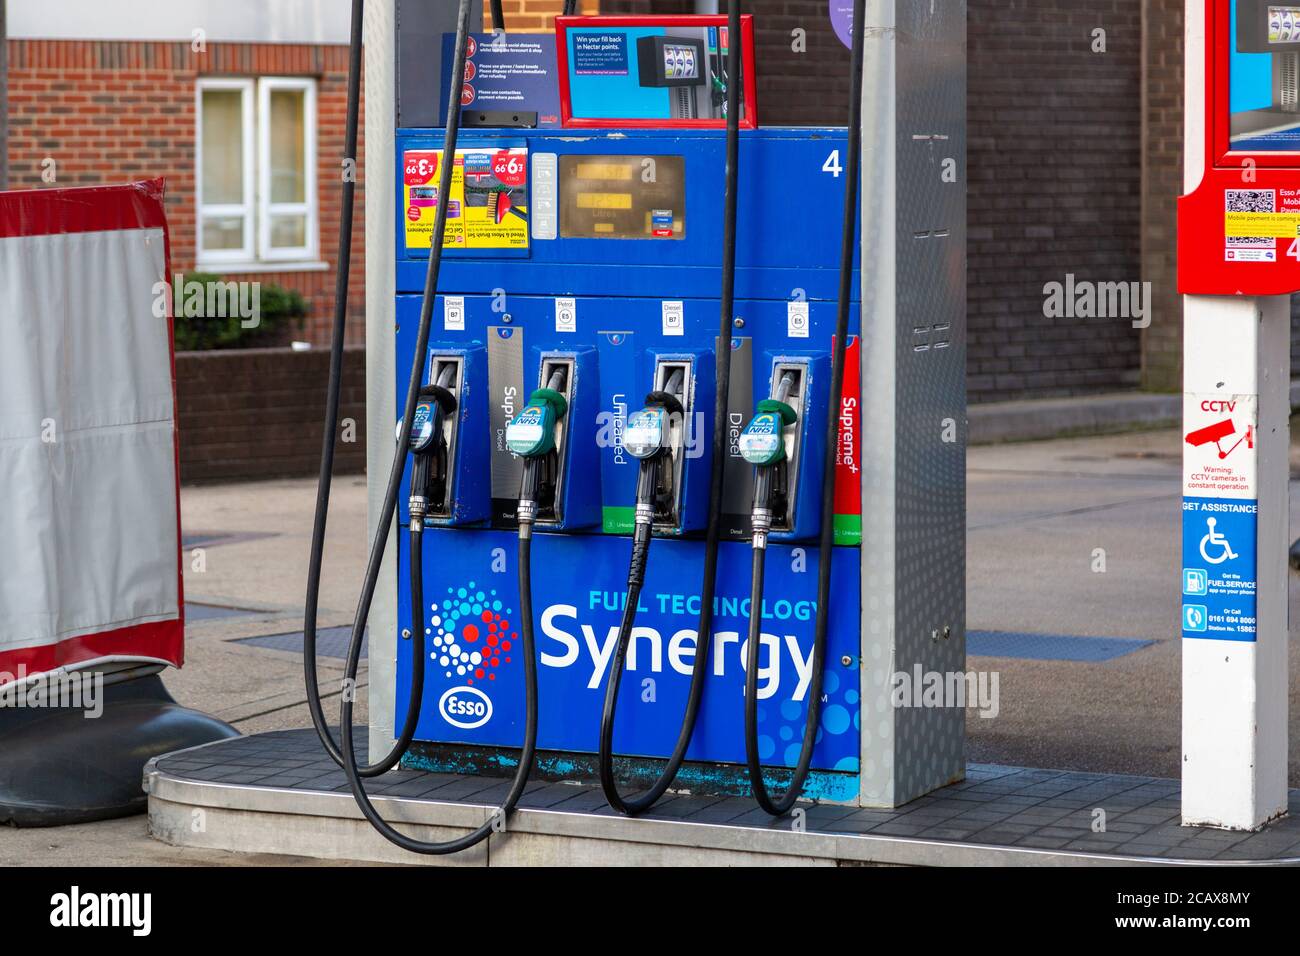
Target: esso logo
(511, 169)
(420, 168)
(465, 707)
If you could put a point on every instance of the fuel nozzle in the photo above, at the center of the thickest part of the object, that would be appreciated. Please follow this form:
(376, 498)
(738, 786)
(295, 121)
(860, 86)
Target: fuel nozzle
(653, 436)
(531, 436)
(762, 444)
(428, 446)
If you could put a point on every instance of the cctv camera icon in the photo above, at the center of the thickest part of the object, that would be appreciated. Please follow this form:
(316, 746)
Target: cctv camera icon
(1211, 433)
(1216, 433)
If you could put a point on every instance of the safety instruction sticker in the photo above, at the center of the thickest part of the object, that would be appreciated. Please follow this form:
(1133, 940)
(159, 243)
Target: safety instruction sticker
(1219, 568)
(1219, 457)
(488, 205)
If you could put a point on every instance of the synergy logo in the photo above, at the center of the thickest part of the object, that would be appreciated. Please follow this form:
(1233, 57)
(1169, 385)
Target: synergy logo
(585, 646)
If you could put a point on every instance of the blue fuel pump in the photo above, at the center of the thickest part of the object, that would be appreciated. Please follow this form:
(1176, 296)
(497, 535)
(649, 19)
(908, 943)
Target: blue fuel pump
(568, 272)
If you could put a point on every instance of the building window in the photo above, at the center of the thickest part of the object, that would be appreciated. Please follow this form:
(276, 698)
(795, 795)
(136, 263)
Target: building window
(256, 178)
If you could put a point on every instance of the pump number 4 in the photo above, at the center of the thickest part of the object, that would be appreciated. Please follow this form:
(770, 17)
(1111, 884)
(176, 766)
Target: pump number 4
(832, 164)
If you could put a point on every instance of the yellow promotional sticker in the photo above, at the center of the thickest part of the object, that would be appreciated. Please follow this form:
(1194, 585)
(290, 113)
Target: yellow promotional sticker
(488, 204)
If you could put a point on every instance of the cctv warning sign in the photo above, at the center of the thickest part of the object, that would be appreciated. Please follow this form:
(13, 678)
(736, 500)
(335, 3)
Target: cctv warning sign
(1219, 445)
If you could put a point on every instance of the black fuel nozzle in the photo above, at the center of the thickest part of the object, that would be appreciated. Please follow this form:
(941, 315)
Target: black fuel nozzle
(430, 467)
(762, 444)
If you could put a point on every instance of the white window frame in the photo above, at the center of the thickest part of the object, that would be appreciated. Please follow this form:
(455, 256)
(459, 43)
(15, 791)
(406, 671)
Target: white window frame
(265, 208)
(257, 207)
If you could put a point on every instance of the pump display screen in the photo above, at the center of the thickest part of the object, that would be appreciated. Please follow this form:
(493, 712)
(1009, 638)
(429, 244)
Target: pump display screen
(680, 62)
(609, 197)
(1284, 24)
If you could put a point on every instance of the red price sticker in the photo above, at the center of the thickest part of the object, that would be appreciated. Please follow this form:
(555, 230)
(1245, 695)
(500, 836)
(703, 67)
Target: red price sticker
(511, 169)
(420, 168)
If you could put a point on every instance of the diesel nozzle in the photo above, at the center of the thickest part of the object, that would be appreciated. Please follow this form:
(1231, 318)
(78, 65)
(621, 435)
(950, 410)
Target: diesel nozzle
(762, 444)
(429, 446)
(532, 436)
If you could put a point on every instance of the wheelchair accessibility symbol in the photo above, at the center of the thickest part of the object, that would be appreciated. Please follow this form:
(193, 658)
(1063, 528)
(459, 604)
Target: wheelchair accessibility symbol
(1216, 540)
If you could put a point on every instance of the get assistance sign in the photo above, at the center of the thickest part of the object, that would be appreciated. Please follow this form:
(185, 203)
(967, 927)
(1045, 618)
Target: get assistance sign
(1219, 569)
(1220, 516)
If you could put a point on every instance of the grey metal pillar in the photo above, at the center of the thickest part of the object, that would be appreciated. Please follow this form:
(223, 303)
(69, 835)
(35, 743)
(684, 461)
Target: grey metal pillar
(914, 394)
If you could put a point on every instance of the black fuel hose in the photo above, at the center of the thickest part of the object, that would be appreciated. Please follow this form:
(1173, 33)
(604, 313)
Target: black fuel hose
(496, 821)
(344, 754)
(826, 546)
(713, 532)
(330, 437)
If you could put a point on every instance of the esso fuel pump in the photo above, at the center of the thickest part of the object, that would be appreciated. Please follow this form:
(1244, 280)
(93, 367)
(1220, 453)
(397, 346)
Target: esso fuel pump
(593, 298)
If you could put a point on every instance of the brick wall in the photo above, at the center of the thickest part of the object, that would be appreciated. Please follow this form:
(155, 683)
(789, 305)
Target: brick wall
(1055, 133)
(1162, 184)
(533, 16)
(111, 112)
(256, 413)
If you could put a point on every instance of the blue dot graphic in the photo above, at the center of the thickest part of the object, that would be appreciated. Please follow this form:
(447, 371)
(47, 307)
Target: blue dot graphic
(835, 719)
(787, 733)
(790, 709)
(831, 682)
(792, 755)
(766, 746)
(850, 697)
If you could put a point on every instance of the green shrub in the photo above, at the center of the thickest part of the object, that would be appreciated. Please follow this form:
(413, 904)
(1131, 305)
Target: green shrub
(216, 313)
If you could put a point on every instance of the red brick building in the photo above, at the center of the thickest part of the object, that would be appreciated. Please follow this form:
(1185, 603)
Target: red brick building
(248, 132)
